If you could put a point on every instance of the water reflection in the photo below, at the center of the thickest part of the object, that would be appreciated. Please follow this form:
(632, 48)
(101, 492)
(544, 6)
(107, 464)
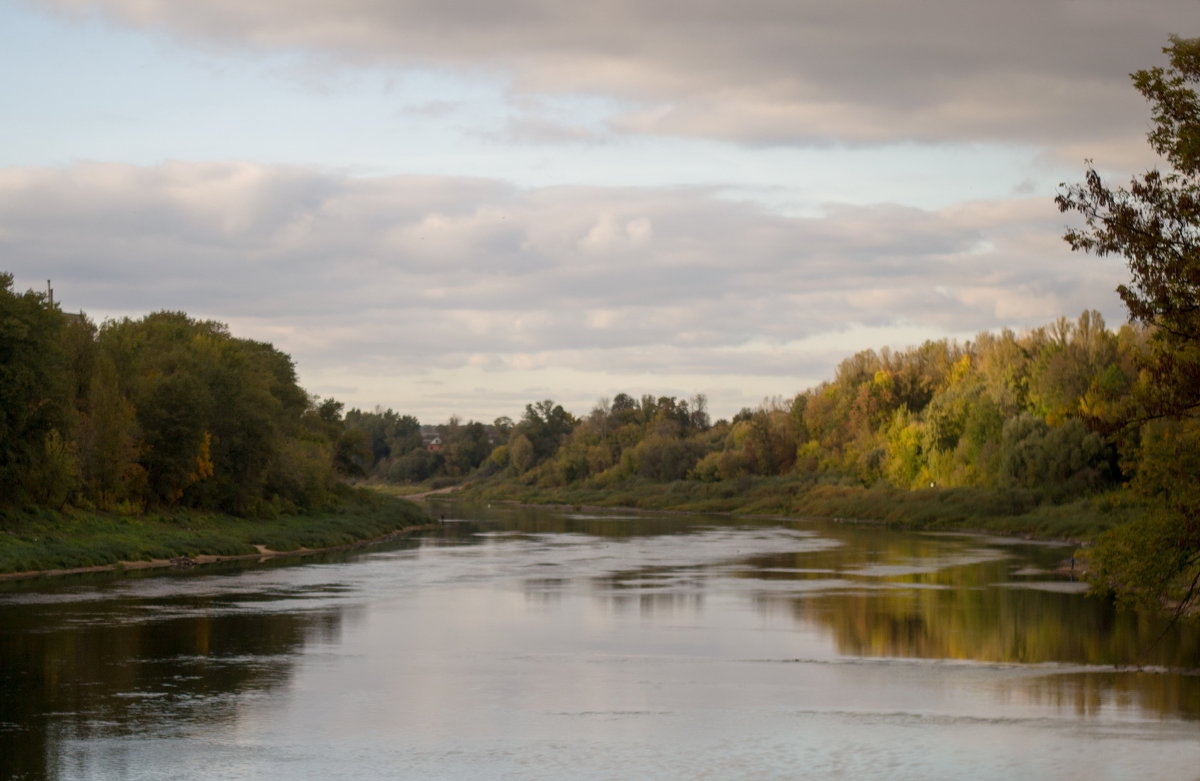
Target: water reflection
(992, 625)
(69, 676)
(878, 593)
(1088, 693)
(507, 623)
(939, 600)
(927, 596)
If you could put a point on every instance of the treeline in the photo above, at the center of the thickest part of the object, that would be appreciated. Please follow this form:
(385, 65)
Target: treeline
(1034, 411)
(385, 446)
(169, 411)
(159, 412)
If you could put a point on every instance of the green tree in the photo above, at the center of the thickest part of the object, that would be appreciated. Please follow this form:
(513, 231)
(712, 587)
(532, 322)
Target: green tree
(663, 458)
(415, 466)
(173, 421)
(34, 384)
(55, 478)
(520, 453)
(467, 448)
(769, 442)
(546, 425)
(1155, 560)
(1154, 223)
(906, 465)
(109, 442)
(220, 422)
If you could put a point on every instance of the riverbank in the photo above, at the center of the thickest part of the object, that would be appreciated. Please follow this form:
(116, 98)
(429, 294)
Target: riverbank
(38, 542)
(1019, 513)
(187, 562)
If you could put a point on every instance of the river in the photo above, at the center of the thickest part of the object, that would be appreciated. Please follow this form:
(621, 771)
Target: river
(522, 643)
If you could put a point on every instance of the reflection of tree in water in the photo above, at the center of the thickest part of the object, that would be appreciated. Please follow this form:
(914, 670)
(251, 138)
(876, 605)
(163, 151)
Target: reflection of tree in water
(653, 603)
(998, 625)
(62, 678)
(1089, 693)
(922, 596)
(902, 595)
(544, 591)
(1013, 625)
(931, 596)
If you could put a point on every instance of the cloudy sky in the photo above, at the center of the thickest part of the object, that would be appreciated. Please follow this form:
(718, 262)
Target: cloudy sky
(461, 206)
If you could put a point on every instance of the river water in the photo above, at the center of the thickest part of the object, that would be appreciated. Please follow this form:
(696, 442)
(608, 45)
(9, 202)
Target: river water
(535, 644)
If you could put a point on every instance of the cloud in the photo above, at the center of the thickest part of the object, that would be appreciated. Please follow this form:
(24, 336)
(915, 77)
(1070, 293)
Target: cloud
(537, 131)
(410, 277)
(1039, 72)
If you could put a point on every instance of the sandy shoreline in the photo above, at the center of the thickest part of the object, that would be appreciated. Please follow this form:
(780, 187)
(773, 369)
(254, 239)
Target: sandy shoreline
(187, 562)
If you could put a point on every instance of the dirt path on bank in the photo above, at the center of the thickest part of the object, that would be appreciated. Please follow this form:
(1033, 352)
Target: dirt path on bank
(424, 494)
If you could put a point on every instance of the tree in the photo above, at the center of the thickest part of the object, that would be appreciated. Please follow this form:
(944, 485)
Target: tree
(468, 448)
(212, 421)
(177, 442)
(1154, 223)
(109, 441)
(34, 382)
(520, 453)
(546, 425)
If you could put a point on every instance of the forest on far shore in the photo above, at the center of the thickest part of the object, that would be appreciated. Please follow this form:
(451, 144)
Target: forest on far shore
(1033, 411)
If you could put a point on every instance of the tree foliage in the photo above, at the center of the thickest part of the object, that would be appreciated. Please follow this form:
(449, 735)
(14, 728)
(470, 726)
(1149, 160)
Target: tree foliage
(170, 411)
(34, 384)
(160, 411)
(990, 413)
(1154, 223)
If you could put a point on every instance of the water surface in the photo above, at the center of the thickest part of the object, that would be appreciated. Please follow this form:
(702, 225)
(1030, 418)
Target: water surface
(523, 643)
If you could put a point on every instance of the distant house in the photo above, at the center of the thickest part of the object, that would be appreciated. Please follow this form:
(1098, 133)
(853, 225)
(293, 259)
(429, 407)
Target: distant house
(432, 443)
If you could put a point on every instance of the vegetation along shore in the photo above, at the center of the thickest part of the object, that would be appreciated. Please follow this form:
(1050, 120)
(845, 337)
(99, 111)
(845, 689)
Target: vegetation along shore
(38, 542)
(164, 437)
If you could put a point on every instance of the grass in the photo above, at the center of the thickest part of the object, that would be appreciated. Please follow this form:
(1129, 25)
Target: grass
(37, 539)
(1006, 511)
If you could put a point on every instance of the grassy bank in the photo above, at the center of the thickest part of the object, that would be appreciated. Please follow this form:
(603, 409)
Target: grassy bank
(1013, 512)
(37, 539)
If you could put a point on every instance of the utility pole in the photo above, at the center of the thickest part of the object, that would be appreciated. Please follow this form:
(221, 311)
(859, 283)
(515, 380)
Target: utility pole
(50, 293)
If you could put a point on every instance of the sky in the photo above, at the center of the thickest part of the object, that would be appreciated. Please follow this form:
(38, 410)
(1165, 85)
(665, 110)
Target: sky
(458, 207)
